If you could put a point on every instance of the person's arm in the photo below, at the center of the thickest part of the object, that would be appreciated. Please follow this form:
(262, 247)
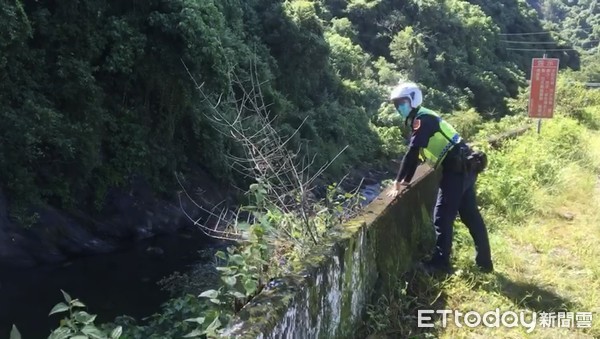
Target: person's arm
(409, 165)
(422, 129)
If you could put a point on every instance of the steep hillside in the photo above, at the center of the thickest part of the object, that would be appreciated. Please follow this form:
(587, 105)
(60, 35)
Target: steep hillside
(96, 94)
(577, 21)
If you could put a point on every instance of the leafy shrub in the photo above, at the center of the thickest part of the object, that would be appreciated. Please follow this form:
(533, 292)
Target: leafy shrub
(467, 123)
(393, 142)
(527, 163)
(79, 324)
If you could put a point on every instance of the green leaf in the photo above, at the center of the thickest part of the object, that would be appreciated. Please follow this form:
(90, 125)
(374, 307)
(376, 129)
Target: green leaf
(60, 307)
(14, 333)
(194, 333)
(221, 255)
(77, 303)
(93, 332)
(238, 295)
(116, 333)
(209, 294)
(84, 317)
(60, 333)
(265, 222)
(250, 286)
(215, 301)
(237, 259)
(243, 226)
(225, 269)
(211, 329)
(229, 280)
(199, 320)
(66, 296)
(79, 336)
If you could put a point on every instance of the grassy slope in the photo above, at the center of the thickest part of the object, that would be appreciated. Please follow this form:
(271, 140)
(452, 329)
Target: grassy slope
(547, 264)
(544, 262)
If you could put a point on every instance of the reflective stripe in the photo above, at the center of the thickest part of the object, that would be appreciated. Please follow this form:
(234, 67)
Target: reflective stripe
(455, 140)
(440, 143)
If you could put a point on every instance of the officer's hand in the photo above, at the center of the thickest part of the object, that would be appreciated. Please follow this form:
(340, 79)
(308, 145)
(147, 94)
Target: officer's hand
(397, 187)
(393, 191)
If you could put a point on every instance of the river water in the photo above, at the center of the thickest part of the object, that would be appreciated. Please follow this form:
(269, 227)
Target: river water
(119, 283)
(110, 285)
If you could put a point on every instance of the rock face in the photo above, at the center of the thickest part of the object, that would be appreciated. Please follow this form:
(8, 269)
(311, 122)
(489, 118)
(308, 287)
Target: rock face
(129, 214)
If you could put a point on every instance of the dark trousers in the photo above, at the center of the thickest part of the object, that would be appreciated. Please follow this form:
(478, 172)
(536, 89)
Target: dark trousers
(456, 194)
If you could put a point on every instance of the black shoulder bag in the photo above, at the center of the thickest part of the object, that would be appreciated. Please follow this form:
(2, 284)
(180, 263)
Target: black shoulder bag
(477, 161)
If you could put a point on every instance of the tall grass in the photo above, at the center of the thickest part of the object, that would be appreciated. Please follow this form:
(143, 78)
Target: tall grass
(540, 199)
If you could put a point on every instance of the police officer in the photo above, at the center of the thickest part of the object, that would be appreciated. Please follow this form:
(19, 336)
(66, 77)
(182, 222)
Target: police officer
(440, 145)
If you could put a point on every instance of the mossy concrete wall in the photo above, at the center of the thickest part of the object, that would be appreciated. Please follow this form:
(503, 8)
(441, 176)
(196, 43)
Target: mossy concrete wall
(363, 258)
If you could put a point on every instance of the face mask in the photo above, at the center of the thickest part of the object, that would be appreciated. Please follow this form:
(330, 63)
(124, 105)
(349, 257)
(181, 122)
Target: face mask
(404, 109)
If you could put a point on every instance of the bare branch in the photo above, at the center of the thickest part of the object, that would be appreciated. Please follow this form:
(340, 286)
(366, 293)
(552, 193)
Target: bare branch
(268, 157)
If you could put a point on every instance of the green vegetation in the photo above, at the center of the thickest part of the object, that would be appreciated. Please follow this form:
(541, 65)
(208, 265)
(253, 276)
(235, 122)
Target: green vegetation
(244, 271)
(79, 323)
(575, 22)
(578, 21)
(539, 198)
(95, 94)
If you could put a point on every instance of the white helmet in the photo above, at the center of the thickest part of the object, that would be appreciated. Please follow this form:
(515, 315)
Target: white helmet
(408, 90)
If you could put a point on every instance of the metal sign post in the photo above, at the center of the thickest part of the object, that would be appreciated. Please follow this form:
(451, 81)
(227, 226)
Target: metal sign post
(544, 72)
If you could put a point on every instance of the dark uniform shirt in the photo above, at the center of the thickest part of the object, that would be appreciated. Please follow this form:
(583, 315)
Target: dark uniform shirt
(423, 128)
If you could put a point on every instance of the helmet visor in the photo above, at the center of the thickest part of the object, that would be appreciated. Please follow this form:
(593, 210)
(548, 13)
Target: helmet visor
(399, 101)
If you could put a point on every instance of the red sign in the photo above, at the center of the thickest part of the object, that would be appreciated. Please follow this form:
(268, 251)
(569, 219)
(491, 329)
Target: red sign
(542, 87)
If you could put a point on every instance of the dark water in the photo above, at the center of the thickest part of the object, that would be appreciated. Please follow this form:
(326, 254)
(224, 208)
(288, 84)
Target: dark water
(120, 283)
(110, 285)
(370, 192)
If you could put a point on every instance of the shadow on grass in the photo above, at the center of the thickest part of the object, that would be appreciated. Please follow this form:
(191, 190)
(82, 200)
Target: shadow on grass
(532, 296)
(395, 315)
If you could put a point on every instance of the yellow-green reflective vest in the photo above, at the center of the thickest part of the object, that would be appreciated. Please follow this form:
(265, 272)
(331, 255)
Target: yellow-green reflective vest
(441, 142)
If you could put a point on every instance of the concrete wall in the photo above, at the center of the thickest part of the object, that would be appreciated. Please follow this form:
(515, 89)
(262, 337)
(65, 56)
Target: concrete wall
(363, 257)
